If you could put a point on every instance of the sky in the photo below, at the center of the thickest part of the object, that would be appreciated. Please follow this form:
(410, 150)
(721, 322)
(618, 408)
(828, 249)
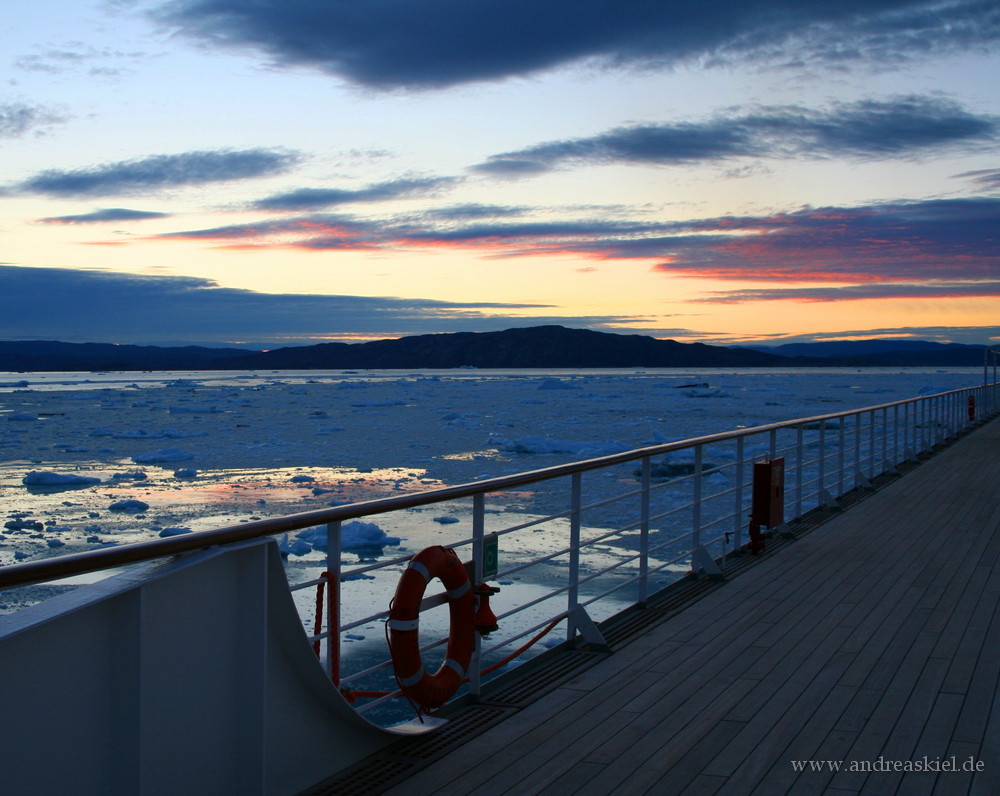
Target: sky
(287, 172)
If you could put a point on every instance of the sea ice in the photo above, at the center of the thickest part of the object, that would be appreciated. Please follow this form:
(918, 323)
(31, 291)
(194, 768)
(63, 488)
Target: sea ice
(354, 535)
(584, 449)
(131, 475)
(557, 384)
(295, 547)
(130, 506)
(163, 455)
(50, 479)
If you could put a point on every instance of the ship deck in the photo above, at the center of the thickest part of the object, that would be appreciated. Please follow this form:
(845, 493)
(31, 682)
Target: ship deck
(871, 641)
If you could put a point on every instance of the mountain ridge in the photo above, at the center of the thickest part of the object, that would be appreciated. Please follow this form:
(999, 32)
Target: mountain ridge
(548, 346)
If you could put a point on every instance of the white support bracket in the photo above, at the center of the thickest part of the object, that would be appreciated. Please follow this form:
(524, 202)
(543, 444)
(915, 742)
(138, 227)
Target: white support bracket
(827, 500)
(585, 626)
(700, 559)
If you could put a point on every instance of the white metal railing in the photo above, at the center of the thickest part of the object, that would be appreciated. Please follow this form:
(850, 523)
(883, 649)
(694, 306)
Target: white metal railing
(674, 511)
(601, 534)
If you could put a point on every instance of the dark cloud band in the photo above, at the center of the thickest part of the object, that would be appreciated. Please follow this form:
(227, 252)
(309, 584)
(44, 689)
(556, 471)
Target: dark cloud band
(161, 172)
(319, 198)
(882, 290)
(103, 306)
(871, 129)
(110, 214)
(391, 44)
(945, 239)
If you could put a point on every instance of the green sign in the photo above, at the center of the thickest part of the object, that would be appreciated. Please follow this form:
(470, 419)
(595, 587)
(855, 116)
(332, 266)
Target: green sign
(491, 556)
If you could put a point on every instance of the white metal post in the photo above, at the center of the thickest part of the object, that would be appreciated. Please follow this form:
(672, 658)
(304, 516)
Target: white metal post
(573, 594)
(841, 455)
(872, 472)
(696, 504)
(821, 496)
(333, 548)
(738, 496)
(896, 453)
(800, 466)
(478, 533)
(644, 531)
(858, 476)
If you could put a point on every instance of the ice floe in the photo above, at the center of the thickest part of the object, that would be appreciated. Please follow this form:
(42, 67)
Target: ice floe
(52, 479)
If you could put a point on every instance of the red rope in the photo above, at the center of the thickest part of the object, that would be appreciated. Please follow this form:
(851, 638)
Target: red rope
(517, 652)
(350, 695)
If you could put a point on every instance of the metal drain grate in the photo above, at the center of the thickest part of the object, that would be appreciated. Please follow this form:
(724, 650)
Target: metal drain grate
(462, 726)
(405, 757)
(373, 776)
(563, 665)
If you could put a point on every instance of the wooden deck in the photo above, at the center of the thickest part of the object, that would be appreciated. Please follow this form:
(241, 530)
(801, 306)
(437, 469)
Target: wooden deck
(872, 641)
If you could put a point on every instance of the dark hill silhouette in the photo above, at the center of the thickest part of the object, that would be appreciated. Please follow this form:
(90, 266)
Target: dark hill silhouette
(886, 352)
(53, 355)
(533, 347)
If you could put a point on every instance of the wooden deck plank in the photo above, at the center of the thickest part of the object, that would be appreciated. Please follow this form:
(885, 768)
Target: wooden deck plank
(877, 634)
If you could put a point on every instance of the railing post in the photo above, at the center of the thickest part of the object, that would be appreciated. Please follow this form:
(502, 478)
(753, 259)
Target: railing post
(924, 425)
(696, 500)
(738, 516)
(478, 533)
(859, 479)
(573, 593)
(333, 600)
(886, 466)
(799, 467)
(822, 496)
(644, 531)
(841, 455)
(872, 472)
(895, 436)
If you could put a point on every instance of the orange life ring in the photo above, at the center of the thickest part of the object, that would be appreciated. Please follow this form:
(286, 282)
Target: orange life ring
(427, 690)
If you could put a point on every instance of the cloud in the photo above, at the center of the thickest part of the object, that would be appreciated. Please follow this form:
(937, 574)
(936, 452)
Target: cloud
(101, 306)
(943, 240)
(315, 231)
(105, 215)
(879, 290)
(391, 44)
(317, 198)
(161, 172)
(19, 118)
(475, 211)
(75, 56)
(990, 178)
(964, 335)
(870, 129)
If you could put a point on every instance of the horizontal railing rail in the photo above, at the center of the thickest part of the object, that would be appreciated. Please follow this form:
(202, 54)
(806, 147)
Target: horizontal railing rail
(670, 518)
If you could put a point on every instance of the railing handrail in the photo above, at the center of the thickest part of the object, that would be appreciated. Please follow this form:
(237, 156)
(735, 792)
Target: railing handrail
(72, 564)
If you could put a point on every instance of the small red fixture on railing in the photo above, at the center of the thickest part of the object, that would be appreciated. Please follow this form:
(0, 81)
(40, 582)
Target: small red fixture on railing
(486, 620)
